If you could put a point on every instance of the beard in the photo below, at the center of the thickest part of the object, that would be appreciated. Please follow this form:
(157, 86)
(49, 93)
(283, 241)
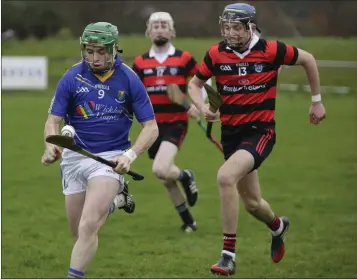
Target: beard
(160, 41)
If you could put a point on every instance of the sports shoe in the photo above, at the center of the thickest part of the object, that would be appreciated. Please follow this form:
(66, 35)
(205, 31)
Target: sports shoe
(277, 242)
(226, 266)
(189, 185)
(189, 228)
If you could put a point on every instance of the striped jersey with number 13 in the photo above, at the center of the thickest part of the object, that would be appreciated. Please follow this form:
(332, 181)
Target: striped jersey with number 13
(247, 81)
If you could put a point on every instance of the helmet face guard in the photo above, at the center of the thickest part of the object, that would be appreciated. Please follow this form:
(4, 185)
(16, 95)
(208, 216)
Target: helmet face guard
(239, 13)
(100, 35)
(233, 16)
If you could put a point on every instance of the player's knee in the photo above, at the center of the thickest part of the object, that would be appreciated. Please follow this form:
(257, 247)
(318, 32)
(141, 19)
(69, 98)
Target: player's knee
(225, 179)
(88, 228)
(160, 171)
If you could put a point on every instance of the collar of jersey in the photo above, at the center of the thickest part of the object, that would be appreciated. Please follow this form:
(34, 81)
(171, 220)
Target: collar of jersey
(170, 51)
(254, 41)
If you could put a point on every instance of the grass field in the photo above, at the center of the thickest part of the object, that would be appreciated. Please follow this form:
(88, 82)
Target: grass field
(311, 177)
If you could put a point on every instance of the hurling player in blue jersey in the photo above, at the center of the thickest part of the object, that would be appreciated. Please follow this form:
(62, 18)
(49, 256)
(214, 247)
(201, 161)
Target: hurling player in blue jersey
(98, 97)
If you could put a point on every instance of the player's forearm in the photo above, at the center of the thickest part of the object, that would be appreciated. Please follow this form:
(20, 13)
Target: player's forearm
(312, 73)
(146, 138)
(52, 126)
(196, 95)
(51, 129)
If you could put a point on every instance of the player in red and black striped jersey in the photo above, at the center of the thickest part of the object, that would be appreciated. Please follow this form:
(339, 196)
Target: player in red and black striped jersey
(246, 70)
(163, 65)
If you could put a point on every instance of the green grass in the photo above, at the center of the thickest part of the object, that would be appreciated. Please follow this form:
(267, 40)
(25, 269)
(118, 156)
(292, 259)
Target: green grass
(310, 177)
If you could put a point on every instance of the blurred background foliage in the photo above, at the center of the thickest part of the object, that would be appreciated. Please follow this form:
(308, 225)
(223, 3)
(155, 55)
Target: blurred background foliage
(276, 18)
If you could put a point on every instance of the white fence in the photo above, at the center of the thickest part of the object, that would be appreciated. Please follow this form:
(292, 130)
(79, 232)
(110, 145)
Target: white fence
(324, 88)
(337, 64)
(31, 73)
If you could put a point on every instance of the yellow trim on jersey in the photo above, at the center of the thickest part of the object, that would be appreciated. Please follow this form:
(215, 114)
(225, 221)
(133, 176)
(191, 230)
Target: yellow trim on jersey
(77, 78)
(106, 76)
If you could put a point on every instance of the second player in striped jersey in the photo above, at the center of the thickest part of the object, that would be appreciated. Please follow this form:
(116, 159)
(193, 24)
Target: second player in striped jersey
(163, 65)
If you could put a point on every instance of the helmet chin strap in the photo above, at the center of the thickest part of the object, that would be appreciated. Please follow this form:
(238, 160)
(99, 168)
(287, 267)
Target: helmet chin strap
(250, 36)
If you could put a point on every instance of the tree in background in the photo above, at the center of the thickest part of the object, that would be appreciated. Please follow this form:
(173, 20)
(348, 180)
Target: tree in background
(193, 18)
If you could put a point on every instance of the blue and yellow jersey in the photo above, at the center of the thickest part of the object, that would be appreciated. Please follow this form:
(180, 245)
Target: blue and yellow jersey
(101, 108)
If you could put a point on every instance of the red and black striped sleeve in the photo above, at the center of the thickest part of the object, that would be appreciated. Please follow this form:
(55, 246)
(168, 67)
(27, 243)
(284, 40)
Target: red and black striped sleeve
(283, 54)
(191, 65)
(205, 70)
(136, 67)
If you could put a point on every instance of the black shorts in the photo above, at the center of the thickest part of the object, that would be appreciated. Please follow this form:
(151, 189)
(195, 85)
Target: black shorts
(257, 141)
(171, 132)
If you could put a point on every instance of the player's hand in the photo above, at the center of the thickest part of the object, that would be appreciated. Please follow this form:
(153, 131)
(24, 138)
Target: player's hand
(317, 113)
(52, 154)
(123, 164)
(209, 115)
(193, 112)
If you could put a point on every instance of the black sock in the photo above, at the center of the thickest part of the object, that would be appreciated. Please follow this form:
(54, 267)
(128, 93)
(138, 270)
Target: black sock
(183, 176)
(185, 214)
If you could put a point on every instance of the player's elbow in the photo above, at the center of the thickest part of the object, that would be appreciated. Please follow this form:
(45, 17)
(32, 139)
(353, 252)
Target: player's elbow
(52, 123)
(151, 129)
(196, 82)
(194, 86)
(155, 131)
(54, 119)
(191, 86)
